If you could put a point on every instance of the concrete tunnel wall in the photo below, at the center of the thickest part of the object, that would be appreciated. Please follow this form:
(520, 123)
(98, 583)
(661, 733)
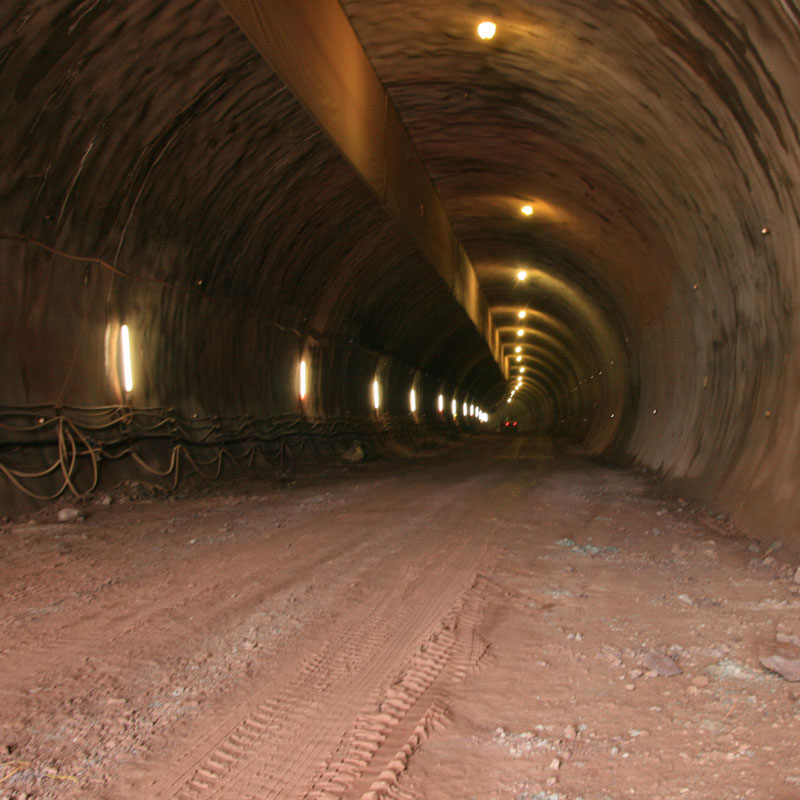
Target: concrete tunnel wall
(190, 195)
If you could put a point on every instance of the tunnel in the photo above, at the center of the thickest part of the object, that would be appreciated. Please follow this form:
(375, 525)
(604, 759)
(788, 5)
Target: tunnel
(237, 233)
(242, 209)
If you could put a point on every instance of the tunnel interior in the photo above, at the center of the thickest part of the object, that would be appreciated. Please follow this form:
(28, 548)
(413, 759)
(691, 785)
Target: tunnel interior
(594, 228)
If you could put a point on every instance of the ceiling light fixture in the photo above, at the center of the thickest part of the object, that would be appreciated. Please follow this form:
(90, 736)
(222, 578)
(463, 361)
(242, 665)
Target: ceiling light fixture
(522, 314)
(527, 210)
(487, 30)
(520, 332)
(521, 275)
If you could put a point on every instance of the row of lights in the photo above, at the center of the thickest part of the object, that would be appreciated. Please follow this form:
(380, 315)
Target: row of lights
(469, 410)
(486, 30)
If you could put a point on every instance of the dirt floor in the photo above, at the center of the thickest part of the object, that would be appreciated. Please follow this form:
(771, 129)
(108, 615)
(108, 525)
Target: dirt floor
(487, 620)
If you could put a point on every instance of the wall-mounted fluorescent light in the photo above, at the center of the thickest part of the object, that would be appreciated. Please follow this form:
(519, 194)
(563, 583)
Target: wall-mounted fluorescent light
(127, 369)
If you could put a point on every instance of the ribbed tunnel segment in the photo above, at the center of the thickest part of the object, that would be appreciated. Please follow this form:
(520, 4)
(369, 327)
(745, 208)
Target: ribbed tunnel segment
(159, 174)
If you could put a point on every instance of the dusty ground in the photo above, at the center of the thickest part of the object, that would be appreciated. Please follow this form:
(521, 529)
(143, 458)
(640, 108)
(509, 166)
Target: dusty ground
(484, 622)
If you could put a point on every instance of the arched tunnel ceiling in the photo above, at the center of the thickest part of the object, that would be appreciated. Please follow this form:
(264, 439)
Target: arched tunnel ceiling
(657, 144)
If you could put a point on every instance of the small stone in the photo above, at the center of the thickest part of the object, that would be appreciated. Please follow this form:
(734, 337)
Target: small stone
(684, 598)
(551, 782)
(68, 514)
(630, 687)
(753, 548)
(768, 561)
(797, 576)
(355, 455)
(555, 763)
(635, 673)
(104, 500)
(570, 732)
(663, 666)
(701, 681)
(248, 645)
(787, 667)
(116, 701)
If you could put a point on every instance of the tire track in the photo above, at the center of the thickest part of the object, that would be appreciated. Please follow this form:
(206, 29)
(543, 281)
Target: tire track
(429, 711)
(280, 747)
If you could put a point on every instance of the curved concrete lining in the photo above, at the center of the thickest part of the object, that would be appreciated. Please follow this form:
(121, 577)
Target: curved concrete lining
(159, 175)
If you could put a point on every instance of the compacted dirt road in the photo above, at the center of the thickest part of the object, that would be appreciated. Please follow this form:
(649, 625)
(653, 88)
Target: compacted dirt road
(489, 620)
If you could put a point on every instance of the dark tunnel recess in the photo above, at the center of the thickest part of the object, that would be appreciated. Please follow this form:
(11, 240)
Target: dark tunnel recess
(161, 182)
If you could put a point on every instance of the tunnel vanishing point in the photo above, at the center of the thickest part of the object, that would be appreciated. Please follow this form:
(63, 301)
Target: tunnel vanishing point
(224, 223)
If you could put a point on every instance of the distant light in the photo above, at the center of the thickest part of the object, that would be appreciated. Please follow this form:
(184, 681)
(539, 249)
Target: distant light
(527, 210)
(127, 369)
(441, 402)
(454, 407)
(521, 275)
(522, 369)
(412, 400)
(509, 400)
(517, 349)
(519, 358)
(376, 395)
(520, 332)
(487, 29)
(465, 410)
(302, 380)
(471, 410)
(522, 314)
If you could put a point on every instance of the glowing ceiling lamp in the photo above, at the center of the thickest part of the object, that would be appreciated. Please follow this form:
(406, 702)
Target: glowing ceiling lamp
(521, 275)
(487, 30)
(517, 349)
(522, 314)
(441, 402)
(520, 332)
(127, 369)
(412, 401)
(527, 210)
(522, 369)
(519, 358)
(454, 407)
